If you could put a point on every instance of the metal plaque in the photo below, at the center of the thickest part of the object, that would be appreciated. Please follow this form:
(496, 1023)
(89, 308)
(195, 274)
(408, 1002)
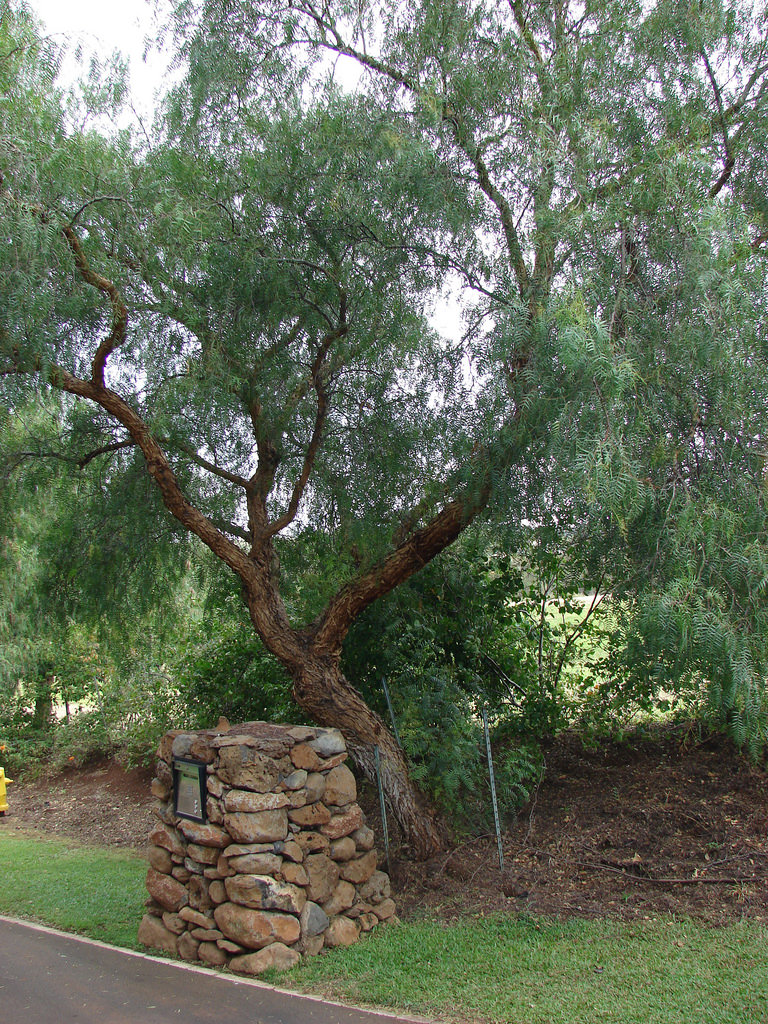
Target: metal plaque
(189, 789)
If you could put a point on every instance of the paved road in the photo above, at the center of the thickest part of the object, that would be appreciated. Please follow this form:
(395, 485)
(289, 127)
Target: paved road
(47, 977)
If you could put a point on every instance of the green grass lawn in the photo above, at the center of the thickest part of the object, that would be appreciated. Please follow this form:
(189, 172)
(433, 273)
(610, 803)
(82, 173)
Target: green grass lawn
(500, 970)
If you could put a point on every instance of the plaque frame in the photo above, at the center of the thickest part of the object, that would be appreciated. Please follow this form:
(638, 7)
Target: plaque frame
(189, 789)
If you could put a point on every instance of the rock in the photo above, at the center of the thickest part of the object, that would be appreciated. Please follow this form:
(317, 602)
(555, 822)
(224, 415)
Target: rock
(174, 922)
(167, 891)
(202, 750)
(364, 838)
(229, 947)
(181, 874)
(245, 800)
(188, 947)
(343, 824)
(377, 888)
(193, 867)
(203, 854)
(313, 920)
(343, 849)
(198, 893)
(213, 811)
(204, 835)
(206, 934)
(340, 786)
(385, 910)
(311, 816)
(168, 838)
(296, 874)
(332, 762)
(263, 826)
(196, 918)
(215, 786)
(217, 893)
(341, 932)
(310, 946)
(165, 746)
(342, 898)
(265, 893)
(277, 956)
(292, 851)
(315, 787)
(256, 864)
(211, 953)
(160, 859)
(245, 768)
(303, 756)
(323, 875)
(182, 744)
(361, 869)
(254, 929)
(295, 780)
(159, 789)
(313, 842)
(153, 933)
(328, 742)
(368, 922)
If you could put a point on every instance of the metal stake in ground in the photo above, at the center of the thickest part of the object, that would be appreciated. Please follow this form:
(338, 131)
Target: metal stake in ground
(385, 830)
(493, 789)
(391, 710)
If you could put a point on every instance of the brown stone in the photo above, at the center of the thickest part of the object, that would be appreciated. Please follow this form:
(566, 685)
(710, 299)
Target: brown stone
(229, 947)
(342, 825)
(359, 870)
(203, 854)
(202, 750)
(276, 956)
(315, 787)
(217, 893)
(342, 898)
(246, 768)
(160, 860)
(313, 842)
(332, 762)
(165, 890)
(343, 849)
(165, 746)
(296, 874)
(168, 838)
(193, 866)
(174, 922)
(340, 786)
(211, 953)
(181, 874)
(198, 893)
(256, 864)
(323, 875)
(159, 789)
(292, 851)
(342, 932)
(215, 786)
(206, 934)
(254, 929)
(214, 811)
(188, 947)
(246, 800)
(164, 774)
(377, 888)
(311, 945)
(294, 780)
(196, 918)
(364, 838)
(385, 909)
(303, 756)
(265, 893)
(328, 742)
(153, 933)
(311, 816)
(261, 827)
(204, 835)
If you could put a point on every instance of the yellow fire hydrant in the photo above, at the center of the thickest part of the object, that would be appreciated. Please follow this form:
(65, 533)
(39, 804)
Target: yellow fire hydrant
(3, 783)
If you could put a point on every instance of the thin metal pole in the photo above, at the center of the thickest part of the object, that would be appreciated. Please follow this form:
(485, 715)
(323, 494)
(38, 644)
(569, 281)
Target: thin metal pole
(391, 710)
(385, 830)
(493, 790)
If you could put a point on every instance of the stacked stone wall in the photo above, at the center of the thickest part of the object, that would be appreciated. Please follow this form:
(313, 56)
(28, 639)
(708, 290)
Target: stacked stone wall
(284, 865)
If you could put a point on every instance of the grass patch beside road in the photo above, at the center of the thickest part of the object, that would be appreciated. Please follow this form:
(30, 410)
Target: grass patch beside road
(90, 891)
(499, 970)
(507, 970)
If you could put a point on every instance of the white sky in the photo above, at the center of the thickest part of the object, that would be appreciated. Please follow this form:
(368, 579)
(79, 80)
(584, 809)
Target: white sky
(102, 27)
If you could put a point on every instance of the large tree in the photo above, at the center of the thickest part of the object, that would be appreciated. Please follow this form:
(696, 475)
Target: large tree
(243, 300)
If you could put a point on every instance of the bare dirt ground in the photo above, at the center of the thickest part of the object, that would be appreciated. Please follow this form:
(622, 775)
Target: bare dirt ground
(637, 830)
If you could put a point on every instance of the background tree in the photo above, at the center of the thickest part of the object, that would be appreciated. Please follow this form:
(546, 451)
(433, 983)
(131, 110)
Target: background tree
(244, 302)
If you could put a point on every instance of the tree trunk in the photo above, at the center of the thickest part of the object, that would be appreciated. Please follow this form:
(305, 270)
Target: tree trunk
(322, 691)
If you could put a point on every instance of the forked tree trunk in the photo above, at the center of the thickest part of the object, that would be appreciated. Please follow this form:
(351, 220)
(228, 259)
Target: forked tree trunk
(325, 694)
